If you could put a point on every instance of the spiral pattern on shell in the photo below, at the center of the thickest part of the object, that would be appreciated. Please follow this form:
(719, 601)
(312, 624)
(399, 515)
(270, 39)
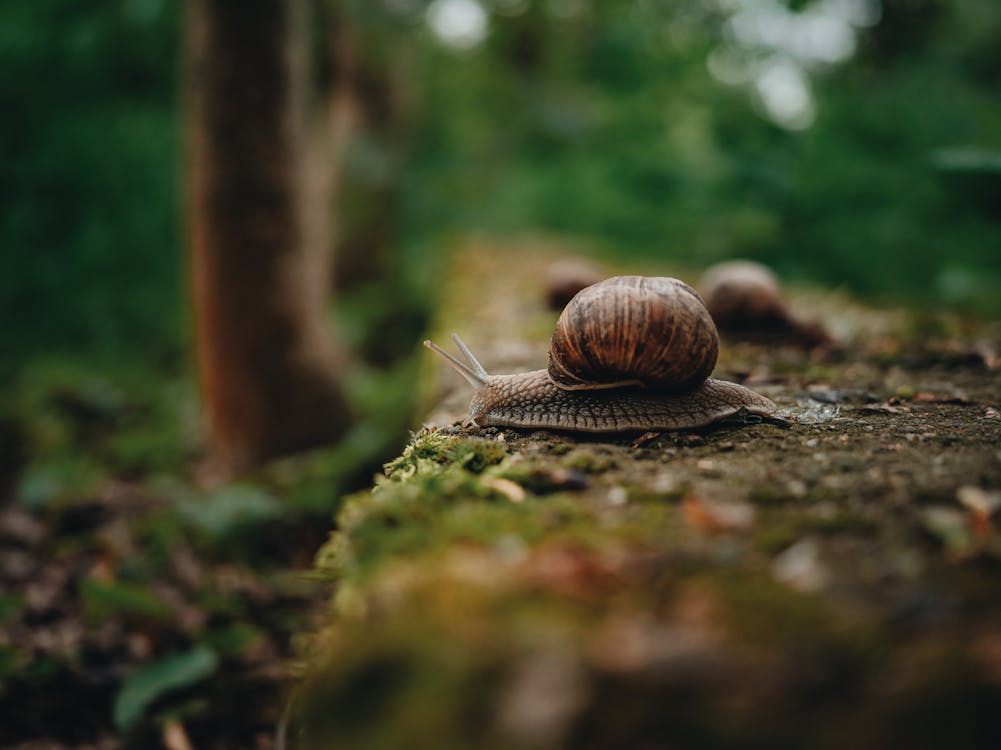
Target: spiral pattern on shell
(653, 331)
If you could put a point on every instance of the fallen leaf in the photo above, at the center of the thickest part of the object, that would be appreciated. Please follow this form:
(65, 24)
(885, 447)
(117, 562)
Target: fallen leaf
(511, 490)
(645, 438)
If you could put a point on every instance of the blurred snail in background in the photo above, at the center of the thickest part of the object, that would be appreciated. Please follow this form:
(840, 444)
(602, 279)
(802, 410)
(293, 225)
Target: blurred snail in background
(746, 302)
(564, 278)
(631, 353)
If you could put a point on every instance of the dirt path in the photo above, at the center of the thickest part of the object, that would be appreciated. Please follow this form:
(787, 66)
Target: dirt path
(827, 582)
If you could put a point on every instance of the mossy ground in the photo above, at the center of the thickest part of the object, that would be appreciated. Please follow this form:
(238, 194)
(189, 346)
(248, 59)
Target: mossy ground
(827, 582)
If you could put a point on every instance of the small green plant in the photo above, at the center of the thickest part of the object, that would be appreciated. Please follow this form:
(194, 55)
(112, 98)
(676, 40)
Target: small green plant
(430, 451)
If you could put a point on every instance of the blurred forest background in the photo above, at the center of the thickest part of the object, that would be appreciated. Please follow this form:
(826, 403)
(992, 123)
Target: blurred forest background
(852, 143)
(848, 143)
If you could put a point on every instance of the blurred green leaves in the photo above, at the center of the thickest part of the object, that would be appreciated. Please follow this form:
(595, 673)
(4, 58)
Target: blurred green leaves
(104, 600)
(231, 509)
(149, 683)
(604, 123)
(88, 194)
(664, 161)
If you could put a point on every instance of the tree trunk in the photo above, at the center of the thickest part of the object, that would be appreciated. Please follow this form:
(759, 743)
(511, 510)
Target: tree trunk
(268, 367)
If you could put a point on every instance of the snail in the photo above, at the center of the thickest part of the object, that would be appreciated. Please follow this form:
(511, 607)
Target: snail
(746, 302)
(628, 354)
(565, 278)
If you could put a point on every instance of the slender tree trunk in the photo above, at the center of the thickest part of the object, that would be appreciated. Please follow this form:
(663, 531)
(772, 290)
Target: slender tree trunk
(268, 367)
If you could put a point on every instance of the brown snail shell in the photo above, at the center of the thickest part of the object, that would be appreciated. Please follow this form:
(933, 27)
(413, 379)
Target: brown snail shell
(565, 278)
(746, 301)
(634, 330)
(742, 292)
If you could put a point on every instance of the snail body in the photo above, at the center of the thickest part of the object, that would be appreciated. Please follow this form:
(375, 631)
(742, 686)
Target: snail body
(630, 353)
(532, 400)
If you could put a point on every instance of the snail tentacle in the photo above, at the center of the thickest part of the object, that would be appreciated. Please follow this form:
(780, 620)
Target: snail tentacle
(474, 378)
(473, 362)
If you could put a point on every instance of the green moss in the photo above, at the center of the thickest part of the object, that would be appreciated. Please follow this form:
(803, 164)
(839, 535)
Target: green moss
(428, 511)
(430, 451)
(560, 449)
(773, 537)
(424, 454)
(590, 461)
(904, 392)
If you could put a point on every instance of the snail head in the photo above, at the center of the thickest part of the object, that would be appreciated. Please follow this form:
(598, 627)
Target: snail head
(474, 373)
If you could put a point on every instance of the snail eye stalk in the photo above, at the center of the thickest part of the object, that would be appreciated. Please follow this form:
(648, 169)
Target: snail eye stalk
(475, 377)
(474, 363)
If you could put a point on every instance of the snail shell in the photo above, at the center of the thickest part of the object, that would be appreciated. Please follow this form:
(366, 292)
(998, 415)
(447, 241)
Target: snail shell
(630, 353)
(634, 330)
(742, 292)
(746, 301)
(565, 278)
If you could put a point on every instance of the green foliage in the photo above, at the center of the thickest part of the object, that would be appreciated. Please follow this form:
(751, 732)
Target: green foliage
(58, 482)
(10, 657)
(78, 424)
(105, 600)
(233, 639)
(10, 604)
(614, 129)
(605, 124)
(88, 193)
(230, 510)
(170, 673)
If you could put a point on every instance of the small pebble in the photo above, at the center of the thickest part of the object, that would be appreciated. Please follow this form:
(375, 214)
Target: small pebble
(618, 496)
(801, 568)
